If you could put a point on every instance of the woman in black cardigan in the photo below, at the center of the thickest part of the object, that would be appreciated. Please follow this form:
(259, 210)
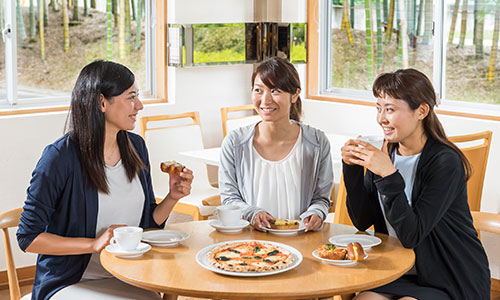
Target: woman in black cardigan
(415, 189)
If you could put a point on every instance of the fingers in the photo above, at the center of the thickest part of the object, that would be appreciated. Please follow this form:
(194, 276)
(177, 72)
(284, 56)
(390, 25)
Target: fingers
(261, 220)
(187, 175)
(385, 147)
(312, 222)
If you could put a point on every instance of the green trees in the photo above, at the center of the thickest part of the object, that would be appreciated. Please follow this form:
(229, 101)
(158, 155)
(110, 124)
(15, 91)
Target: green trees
(494, 47)
(20, 22)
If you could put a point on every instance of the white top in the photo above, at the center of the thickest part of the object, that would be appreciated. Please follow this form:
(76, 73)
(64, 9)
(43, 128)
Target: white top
(277, 183)
(123, 205)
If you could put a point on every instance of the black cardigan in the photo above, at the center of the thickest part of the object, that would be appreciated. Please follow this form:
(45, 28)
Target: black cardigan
(437, 226)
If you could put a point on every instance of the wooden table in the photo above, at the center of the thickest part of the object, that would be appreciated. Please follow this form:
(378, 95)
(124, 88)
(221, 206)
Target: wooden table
(174, 271)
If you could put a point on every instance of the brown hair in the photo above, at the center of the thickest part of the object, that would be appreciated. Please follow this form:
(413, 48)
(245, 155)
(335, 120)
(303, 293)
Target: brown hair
(279, 73)
(415, 88)
(87, 124)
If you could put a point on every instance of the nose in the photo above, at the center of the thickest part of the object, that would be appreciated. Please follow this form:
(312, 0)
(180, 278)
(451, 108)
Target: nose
(138, 104)
(381, 117)
(267, 97)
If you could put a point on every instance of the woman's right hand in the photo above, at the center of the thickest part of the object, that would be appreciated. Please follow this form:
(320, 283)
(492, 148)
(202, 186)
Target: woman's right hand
(346, 152)
(261, 220)
(104, 239)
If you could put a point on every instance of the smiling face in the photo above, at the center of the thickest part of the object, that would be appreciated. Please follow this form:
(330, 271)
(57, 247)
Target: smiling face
(399, 122)
(272, 104)
(120, 112)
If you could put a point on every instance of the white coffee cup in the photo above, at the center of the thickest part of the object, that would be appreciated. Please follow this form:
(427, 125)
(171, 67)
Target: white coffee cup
(376, 141)
(127, 238)
(228, 215)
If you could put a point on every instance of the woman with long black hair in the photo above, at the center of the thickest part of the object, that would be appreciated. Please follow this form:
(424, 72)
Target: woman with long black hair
(88, 182)
(415, 189)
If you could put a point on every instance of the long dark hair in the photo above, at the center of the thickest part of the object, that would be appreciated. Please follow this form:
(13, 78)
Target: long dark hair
(87, 123)
(415, 88)
(279, 73)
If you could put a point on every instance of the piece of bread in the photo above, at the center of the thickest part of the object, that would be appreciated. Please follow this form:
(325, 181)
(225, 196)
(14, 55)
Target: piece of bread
(284, 224)
(329, 251)
(355, 251)
(171, 167)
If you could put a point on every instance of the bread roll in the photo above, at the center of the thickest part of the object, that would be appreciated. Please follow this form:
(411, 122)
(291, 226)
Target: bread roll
(171, 167)
(355, 251)
(329, 251)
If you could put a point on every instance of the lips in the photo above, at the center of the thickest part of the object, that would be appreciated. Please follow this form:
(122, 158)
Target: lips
(267, 109)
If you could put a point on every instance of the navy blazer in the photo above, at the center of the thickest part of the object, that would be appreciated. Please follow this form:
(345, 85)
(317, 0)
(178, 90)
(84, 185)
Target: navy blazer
(60, 202)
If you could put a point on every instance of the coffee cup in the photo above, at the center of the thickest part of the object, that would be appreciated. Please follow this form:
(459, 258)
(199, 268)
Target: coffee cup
(127, 238)
(228, 215)
(376, 141)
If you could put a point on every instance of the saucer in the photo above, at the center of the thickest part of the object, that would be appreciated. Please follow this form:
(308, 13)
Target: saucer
(228, 229)
(118, 252)
(164, 238)
(287, 232)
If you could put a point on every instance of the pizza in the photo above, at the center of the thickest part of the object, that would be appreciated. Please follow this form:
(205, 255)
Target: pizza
(284, 224)
(250, 256)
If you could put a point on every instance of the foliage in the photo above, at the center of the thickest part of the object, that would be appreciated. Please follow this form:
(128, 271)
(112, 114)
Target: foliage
(299, 52)
(217, 37)
(225, 55)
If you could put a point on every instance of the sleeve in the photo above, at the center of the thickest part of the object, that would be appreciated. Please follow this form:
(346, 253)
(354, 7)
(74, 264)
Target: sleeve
(320, 202)
(440, 187)
(360, 194)
(46, 187)
(228, 181)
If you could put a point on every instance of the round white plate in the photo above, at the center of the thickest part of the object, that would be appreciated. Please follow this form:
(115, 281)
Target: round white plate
(164, 238)
(117, 251)
(287, 232)
(366, 241)
(228, 229)
(343, 262)
(201, 258)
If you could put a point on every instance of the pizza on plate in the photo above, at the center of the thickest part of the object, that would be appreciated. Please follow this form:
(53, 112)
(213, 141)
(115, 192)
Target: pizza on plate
(250, 256)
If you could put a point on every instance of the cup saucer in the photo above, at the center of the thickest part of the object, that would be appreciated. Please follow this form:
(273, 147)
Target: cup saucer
(229, 229)
(118, 252)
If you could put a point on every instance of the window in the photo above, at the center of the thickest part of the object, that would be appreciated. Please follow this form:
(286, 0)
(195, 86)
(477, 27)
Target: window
(54, 43)
(454, 44)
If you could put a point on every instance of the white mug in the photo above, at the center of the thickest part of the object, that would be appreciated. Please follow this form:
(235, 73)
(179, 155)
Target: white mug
(376, 141)
(228, 215)
(127, 238)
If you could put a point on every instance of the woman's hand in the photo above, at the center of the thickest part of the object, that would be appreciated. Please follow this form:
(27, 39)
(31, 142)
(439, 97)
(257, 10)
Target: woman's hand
(346, 152)
(260, 219)
(180, 185)
(313, 222)
(375, 160)
(104, 239)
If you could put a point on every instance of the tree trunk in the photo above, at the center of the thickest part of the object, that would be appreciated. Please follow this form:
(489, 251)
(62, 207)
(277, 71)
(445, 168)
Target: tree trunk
(479, 30)
(475, 20)
(494, 46)
(115, 12)
(420, 19)
(85, 8)
(346, 24)
(127, 25)
(20, 21)
(132, 4)
(463, 28)
(92, 4)
(121, 31)
(403, 34)
(380, 54)
(453, 22)
(32, 20)
(75, 11)
(41, 29)
(390, 22)
(428, 22)
(109, 29)
(65, 25)
(55, 5)
(370, 53)
(45, 13)
(386, 11)
(353, 14)
(139, 25)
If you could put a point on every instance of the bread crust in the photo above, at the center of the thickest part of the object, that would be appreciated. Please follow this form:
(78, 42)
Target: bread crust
(355, 251)
(329, 252)
(283, 224)
(171, 167)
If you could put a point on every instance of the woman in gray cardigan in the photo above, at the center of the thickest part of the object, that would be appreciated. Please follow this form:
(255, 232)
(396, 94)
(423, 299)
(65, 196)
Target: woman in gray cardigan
(279, 167)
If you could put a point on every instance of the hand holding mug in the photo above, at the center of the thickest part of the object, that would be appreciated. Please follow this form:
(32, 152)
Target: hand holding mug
(368, 156)
(104, 239)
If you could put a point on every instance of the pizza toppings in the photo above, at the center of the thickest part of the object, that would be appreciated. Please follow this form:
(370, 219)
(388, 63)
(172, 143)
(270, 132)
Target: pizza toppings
(284, 224)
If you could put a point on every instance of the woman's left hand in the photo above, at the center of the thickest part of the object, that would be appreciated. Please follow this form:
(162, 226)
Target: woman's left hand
(180, 185)
(375, 160)
(313, 222)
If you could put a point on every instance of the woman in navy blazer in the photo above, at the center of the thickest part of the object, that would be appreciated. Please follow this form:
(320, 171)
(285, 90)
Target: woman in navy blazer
(62, 206)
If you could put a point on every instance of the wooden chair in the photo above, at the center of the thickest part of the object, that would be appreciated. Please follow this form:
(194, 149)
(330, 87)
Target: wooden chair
(166, 136)
(477, 154)
(488, 222)
(8, 220)
(341, 215)
(230, 123)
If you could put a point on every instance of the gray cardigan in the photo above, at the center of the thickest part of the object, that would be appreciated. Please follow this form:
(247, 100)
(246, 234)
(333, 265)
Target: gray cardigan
(237, 168)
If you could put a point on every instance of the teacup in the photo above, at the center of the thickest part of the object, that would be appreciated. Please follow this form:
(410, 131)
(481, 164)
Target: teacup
(228, 215)
(127, 238)
(376, 141)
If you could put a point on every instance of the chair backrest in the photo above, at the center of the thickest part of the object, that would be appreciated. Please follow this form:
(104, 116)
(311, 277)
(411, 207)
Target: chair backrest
(7, 220)
(245, 116)
(166, 136)
(341, 215)
(476, 148)
(488, 222)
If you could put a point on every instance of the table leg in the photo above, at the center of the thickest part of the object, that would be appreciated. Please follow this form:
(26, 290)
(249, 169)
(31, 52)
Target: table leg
(169, 297)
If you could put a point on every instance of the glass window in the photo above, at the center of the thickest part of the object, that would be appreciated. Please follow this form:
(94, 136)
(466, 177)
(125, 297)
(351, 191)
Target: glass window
(218, 43)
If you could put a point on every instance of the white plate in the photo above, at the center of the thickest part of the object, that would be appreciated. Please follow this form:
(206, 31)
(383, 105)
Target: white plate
(228, 229)
(140, 250)
(164, 238)
(287, 232)
(201, 258)
(343, 262)
(366, 241)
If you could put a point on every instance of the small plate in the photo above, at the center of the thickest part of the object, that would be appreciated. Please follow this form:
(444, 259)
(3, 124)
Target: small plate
(228, 229)
(201, 259)
(343, 262)
(287, 232)
(366, 241)
(118, 252)
(164, 238)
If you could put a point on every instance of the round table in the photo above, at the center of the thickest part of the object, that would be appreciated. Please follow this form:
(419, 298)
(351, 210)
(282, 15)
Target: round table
(174, 271)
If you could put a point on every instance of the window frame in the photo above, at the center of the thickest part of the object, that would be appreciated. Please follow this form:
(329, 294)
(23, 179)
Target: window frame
(317, 85)
(155, 57)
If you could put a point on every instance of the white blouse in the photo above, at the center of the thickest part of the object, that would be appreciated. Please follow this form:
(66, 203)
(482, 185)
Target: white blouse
(277, 183)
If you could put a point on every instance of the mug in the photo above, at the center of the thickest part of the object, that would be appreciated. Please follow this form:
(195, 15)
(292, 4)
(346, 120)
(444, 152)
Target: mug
(375, 140)
(127, 238)
(228, 215)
